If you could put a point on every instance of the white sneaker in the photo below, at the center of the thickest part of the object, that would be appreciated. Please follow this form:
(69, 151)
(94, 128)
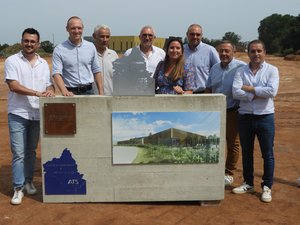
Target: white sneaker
(298, 182)
(228, 180)
(243, 189)
(266, 195)
(30, 188)
(17, 198)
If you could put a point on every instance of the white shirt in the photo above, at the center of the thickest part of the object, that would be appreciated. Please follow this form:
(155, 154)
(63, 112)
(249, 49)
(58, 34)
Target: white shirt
(265, 83)
(107, 69)
(36, 77)
(152, 60)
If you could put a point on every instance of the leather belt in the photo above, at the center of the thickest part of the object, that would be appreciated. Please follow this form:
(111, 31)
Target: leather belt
(234, 109)
(81, 88)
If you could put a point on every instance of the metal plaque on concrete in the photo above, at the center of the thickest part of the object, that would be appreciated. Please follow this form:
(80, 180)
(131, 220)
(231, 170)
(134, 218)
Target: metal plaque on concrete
(131, 77)
(60, 118)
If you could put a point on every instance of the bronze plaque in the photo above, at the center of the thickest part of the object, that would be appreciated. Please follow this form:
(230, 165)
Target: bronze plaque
(60, 118)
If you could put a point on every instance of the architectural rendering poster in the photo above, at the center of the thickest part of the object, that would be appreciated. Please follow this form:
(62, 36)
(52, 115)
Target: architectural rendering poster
(165, 137)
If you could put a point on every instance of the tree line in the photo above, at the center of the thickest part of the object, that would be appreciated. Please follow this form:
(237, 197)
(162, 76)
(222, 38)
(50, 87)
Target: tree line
(6, 50)
(280, 33)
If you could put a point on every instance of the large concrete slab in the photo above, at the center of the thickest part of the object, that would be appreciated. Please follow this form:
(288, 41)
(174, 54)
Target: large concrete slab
(91, 148)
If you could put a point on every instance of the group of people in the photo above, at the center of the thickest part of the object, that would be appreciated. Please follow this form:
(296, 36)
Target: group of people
(80, 67)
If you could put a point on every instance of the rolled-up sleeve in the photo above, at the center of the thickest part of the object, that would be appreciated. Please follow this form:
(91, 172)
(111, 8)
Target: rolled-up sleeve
(57, 64)
(96, 68)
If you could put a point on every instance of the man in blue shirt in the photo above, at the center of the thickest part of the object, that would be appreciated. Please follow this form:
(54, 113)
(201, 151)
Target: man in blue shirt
(256, 85)
(202, 56)
(220, 80)
(75, 64)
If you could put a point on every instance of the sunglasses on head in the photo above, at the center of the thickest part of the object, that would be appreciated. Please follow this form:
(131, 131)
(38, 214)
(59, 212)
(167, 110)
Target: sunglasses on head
(172, 38)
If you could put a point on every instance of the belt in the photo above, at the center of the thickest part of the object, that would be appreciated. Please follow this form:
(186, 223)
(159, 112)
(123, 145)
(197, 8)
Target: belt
(81, 88)
(198, 92)
(233, 109)
(255, 116)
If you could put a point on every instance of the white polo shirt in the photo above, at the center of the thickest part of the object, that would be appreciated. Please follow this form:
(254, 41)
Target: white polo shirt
(107, 69)
(36, 77)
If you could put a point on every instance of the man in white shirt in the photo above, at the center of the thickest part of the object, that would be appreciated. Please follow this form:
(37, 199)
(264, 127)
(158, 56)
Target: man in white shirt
(28, 78)
(152, 54)
(106, 56)
(256, 85)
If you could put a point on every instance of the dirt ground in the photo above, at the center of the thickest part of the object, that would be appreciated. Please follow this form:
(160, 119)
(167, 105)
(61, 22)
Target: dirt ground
(233, 210)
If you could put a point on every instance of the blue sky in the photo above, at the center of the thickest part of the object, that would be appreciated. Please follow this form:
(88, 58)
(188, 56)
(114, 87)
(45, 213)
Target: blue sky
(168, 17)
(128, 125)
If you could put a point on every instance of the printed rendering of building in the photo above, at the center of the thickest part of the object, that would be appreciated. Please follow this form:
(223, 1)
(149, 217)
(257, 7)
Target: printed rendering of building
(169, 137)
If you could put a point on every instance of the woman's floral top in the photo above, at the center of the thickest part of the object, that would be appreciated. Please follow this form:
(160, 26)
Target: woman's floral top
(165, 85)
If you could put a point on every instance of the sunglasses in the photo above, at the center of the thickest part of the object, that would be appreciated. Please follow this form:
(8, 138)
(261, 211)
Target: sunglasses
(172, 38)
(147, 35)
(193, 34)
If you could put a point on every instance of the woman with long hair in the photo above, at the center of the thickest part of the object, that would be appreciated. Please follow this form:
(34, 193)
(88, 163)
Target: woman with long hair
(173, 75)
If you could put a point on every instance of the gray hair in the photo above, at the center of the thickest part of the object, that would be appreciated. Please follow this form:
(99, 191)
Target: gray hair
(101, 26)
(147, 27)
(194, 25)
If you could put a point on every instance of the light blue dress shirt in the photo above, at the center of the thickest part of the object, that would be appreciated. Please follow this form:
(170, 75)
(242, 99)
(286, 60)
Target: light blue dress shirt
(265, 83)
(77, 64)
(220, 80)
(202, 58)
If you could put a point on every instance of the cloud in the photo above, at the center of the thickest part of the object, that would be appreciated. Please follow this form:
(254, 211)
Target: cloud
(124, 129)
(136, 124)
(162, 123)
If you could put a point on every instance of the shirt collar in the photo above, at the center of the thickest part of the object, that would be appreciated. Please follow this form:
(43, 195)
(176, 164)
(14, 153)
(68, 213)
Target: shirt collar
(152, 49)
(105, 52)
(197, 47)
(261, 65)
(20, 54)
(229, 64)
(71, 43)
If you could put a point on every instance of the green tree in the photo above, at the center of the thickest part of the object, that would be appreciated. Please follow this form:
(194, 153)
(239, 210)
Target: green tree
(280, 32)
(292, 39)
(3, 46)
(232, 37)
(10, 50)
(47, 46)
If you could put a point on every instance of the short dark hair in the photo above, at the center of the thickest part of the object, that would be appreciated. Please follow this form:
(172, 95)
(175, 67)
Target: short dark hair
(256, 42)
(31, 31)
(226, 42)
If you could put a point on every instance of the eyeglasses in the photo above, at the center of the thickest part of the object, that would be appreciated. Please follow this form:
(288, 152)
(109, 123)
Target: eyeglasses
(195, 34)
(147, 35)
(26, 41)
(103, 36)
